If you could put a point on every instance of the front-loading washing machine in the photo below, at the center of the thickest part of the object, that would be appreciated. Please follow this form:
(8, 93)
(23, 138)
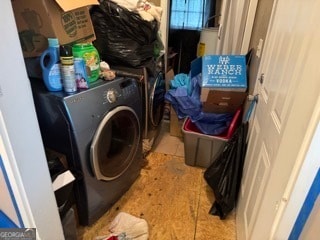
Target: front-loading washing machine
(99, 131)
(153, 89)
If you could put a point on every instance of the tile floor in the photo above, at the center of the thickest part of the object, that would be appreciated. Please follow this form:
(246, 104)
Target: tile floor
(172, 197)
(168, 144)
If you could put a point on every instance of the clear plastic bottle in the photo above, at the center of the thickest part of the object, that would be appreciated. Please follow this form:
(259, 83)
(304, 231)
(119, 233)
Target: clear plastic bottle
(67, 69)
(50, 64)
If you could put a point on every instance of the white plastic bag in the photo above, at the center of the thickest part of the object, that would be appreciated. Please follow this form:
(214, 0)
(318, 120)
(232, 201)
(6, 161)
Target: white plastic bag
(134, 228)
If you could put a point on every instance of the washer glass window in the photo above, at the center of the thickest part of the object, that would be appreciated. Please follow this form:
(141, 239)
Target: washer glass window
(157, 100)
(115, 143)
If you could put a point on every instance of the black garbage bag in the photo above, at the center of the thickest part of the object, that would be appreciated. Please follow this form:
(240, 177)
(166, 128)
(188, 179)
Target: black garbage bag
(122, 36)
(224, 174)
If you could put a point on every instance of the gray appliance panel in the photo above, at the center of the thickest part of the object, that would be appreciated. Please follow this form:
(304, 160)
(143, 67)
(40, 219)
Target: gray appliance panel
(85, 108)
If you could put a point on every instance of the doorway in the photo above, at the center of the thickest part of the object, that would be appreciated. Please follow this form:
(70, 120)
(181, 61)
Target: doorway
(186, 19)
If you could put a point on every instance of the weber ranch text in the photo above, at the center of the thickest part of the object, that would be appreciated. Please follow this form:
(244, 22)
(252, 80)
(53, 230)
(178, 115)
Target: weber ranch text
(215, 69)
(224, 67)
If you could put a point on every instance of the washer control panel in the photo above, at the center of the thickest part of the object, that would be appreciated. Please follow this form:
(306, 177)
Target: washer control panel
(112, 95)
(128, 88)
(124, 90)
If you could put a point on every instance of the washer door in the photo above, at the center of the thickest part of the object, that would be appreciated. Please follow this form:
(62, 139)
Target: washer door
(156, 104)
(115, 143)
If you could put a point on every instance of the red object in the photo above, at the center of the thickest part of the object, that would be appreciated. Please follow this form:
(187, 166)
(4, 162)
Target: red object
(112, 238)
(191, 127)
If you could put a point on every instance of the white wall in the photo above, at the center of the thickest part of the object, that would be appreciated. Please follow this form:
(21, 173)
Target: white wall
(164, 27)
(23, 140)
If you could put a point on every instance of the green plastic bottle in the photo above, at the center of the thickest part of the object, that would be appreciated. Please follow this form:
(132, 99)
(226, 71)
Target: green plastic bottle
(90, 55)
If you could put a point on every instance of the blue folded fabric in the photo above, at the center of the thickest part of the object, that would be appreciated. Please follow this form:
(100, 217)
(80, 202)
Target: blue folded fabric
(212, 123)
(184, 97)
(179, 80)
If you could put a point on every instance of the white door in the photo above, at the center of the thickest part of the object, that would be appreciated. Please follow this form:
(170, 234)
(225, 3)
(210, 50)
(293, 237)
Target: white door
(235, 26)
(282, 128)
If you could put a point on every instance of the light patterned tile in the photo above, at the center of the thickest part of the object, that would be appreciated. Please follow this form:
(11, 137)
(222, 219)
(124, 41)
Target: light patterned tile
(180, 149)
(167, 145)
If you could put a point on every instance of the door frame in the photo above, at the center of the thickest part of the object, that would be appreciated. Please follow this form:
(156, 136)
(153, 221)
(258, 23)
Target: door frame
(235, 26)
(300, 181)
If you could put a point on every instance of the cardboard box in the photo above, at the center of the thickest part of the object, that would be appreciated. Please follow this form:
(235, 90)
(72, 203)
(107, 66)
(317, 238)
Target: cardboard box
(169, 76)
(175, 124)
(222, 101)
(224, 72)
(224, 82)
(38, 20)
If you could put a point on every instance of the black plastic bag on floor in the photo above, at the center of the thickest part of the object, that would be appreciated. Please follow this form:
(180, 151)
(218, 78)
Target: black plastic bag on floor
(224, 174)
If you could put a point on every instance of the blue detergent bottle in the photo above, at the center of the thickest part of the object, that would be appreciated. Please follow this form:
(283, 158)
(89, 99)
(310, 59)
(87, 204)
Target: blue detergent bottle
(50, 64)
